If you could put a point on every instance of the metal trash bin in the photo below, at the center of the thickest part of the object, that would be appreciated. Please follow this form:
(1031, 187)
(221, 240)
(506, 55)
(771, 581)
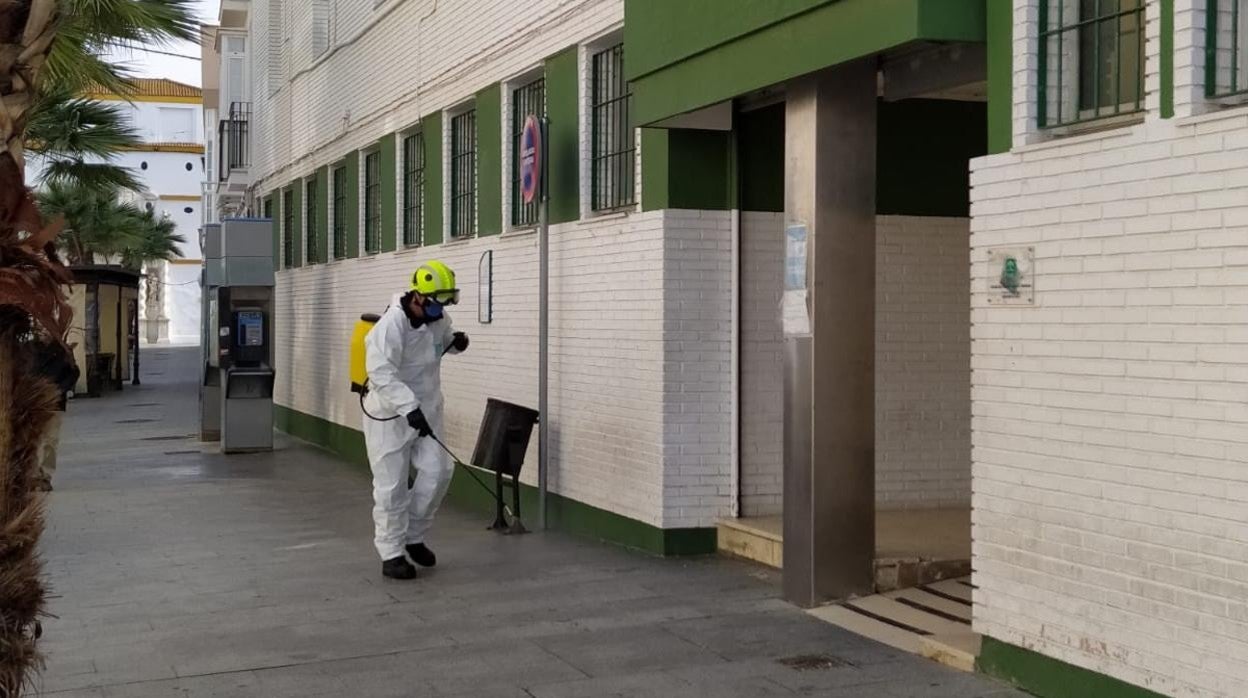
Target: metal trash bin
(504, 437)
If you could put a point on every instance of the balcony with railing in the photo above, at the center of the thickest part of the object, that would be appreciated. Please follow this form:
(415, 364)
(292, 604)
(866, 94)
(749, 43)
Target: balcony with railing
(234, 145)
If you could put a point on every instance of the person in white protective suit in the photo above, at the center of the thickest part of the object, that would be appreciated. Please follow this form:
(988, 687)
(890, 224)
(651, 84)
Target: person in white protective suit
(403, 356)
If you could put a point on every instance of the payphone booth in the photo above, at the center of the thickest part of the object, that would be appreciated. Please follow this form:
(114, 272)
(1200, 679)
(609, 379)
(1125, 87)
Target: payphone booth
(240, 311)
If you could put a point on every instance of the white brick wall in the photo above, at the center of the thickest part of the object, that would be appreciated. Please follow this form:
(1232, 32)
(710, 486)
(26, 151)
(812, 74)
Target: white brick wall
(922, 364)
(762, 364)
(640, 413)
(395, 63)
(1110, 431)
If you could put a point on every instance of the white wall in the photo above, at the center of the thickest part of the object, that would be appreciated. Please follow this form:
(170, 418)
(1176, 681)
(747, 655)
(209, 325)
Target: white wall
(639, 421)
(922, 400)
(165, 122)
(1110, 432)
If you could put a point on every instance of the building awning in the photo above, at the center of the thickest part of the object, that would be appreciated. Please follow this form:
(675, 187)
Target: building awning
(689, 55)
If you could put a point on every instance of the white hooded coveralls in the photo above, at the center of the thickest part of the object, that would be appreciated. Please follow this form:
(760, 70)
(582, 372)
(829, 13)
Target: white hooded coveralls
(404, 373)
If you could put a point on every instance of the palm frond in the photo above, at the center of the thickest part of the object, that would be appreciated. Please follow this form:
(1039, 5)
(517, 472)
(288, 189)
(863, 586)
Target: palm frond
(96, 175)
(63, 125)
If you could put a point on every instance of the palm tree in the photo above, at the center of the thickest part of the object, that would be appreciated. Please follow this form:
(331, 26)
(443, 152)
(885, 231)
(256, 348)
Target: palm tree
(99, 226)
(77, 137)
(43, 43)
(156, 240)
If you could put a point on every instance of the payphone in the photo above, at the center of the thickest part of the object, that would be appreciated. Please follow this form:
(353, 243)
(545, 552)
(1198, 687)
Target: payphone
(239, 335)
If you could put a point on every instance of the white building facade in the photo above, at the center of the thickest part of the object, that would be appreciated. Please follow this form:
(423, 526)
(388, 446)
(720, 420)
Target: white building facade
(170, 164)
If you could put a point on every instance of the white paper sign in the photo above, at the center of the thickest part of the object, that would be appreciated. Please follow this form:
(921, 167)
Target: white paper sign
(794, 306)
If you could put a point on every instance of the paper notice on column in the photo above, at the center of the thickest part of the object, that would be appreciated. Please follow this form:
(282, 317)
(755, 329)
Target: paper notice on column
(794, 305)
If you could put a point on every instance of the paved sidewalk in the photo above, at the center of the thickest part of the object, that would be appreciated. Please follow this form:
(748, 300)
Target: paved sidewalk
(180, 572)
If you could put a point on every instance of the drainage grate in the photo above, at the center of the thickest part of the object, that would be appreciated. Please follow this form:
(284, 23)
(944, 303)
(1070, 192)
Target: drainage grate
(181, 453)
(145, 404)
(165, 438)
(135, 421)
(814, 662)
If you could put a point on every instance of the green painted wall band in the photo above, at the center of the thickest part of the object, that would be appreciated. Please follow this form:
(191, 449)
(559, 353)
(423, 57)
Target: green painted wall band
(270, 206)
(352, 165)
(564, 136)
(389, 194)
(1047, 677)
(1000, 75)
(563, 513)
(1167, 59)
(296, 228)
(431, 127)
(489, 161)
(828, 35)
(322, 215)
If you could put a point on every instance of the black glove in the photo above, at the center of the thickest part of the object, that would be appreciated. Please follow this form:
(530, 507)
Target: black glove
(460, 341)
(416, 420)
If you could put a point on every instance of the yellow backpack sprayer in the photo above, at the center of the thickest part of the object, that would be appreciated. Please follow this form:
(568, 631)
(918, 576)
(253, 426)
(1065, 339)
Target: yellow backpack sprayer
(501, 442)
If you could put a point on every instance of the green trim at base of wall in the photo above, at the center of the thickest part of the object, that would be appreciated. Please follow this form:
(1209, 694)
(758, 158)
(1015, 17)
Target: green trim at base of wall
(562, 513)
(1051, 678)
(1167, 59)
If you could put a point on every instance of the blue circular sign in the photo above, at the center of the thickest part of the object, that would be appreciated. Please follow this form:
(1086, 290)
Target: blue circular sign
(530, 159)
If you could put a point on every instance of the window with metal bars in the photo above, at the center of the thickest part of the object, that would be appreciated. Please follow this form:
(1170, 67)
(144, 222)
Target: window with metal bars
(340, 213)
(464, 175)
(614, 149)
(372, 202)
(1091, 60)
(309, 221)
(414, 189)
(1226, 53)
(268, 208)
(288, 229)
(528, 100)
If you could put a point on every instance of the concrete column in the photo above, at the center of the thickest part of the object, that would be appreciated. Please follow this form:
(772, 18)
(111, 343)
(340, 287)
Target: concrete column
(829, 452)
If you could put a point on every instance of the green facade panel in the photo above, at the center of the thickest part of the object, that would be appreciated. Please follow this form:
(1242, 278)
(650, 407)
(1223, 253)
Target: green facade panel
(270, 211)
(352, 165)
(389, 194)
(490, 161)
(1167, 58)
(658, 33)
(827, 35)
(1000, 17)
(563, 166)
(431, 126)
(322, 215)
(296, 231)
(686, 168)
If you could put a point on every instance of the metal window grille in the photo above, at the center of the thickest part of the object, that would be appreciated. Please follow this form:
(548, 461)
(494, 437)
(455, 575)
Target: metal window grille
(527, 100)
(372, 202)
(268, 208)
(340, 213)
(1226, 49)
(288, 229)
(235, 142)
(464, 175)
(614, 144)
(1091, 60)
(309, 217)
(414, 189)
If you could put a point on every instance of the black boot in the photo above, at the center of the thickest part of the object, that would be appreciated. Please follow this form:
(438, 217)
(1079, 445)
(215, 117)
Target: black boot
(398, 568)
(421, 555)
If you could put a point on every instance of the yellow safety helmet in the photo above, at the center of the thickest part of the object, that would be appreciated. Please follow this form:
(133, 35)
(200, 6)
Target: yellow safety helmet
(435, 280)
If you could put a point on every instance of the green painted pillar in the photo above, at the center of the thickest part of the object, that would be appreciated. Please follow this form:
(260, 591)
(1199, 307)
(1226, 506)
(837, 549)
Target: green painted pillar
(490, 161)
(389, 192)
(296, 228)
(277, 230)
(352, 165)
(323, 244)
(431, 127)
(1000, 75)
(564, 136)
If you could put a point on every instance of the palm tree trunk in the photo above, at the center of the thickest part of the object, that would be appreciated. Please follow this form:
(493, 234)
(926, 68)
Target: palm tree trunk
(27, 402)
(31, 297)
